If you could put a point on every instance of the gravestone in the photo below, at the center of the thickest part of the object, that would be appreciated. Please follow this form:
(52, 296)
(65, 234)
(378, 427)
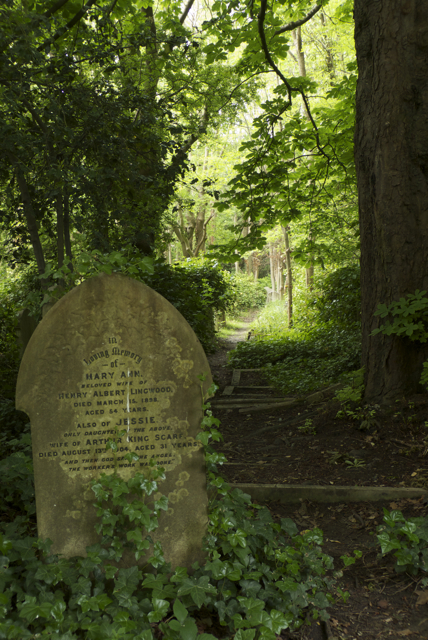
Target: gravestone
(113, 354)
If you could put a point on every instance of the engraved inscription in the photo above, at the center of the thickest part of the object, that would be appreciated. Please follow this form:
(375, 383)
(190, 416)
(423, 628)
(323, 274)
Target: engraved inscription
(105, 405)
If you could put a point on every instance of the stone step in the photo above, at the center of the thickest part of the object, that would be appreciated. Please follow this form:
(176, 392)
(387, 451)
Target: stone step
(236, 376)
(228, 391)
(251, 387)
(266, 407)
(250, 400)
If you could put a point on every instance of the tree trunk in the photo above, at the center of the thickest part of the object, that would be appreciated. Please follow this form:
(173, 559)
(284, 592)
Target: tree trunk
(309, 273)
(60, 244)
(200, 229)
(300, 56)
(235, 222)
(289, 281)
(256, 266)
(272, 275)
(328, 48)
(250, 264)
(391, 154)
(31, 221)
(280, 276)
(67, 239)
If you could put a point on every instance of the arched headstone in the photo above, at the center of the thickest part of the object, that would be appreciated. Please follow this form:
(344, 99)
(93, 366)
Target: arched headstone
(114, 354)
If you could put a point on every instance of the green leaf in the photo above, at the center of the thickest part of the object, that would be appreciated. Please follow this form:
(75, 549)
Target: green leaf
(245, 634)
(160, 608)
(180, 611)
(187, 629)
(197, 589)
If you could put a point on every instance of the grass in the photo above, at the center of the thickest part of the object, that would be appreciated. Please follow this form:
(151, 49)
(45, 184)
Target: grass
(231, 326)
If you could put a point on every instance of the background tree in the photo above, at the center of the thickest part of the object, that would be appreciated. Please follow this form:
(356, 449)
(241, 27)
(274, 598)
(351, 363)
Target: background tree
(99, 108)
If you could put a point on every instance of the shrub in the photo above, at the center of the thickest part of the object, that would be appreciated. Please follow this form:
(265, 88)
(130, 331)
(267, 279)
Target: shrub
(197, 288)
(338, 299)
(11, 421)
(248, 294)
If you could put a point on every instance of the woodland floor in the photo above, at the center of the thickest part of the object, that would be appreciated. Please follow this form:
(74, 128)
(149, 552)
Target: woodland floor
(268, 448)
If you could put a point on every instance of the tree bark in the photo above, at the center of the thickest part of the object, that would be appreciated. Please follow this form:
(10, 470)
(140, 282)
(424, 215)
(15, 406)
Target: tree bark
(391, 154)
(60, 230)
(300, 56)
(67, 238)
(272, 273)
(31, 220)
(235, 222)
(289, 281)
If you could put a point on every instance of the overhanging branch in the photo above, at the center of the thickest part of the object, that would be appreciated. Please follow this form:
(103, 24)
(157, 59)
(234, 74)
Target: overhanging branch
(70, 24)
(186, 10)
(298, 23)
(290, 89)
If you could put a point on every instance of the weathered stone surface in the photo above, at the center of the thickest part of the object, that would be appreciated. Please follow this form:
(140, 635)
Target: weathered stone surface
(113, 354)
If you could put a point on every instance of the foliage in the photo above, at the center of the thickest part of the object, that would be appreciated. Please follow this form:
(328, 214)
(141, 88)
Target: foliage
(320, 348)
(210, 281)
(353, 391)
(196, 291)
(407, 540)
(99, 107)
(17, 475)
(300, 360)
(197, 288)
(297, 165)
(424, 376)
(338, 296)
(410, 317)
(84, 144)
(248, 294)
(11, 421)
(260, 577)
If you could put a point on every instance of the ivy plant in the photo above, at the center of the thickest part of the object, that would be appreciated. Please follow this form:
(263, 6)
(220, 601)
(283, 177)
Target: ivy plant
(260, 576)
(410, 317)
(407, 540)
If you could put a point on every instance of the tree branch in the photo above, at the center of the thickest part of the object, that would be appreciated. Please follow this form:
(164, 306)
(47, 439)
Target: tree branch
(260, 22)
(298, 23)
(186, 10)
(29, 214)
(204, 236)
(54, 8)
(111, 7)
(70, 24)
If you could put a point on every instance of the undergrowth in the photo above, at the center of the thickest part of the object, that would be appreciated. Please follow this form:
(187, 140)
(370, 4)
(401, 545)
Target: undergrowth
(259, 578)
(301, 361)
(323, 345)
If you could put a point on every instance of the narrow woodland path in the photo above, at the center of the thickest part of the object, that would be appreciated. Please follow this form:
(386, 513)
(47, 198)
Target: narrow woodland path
(304, 443)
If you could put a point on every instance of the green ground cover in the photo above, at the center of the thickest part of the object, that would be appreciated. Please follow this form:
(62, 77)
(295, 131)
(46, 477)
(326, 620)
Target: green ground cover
(324, 343)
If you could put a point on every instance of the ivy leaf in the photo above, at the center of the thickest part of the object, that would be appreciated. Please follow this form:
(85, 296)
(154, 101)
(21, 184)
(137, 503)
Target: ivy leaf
(197, 589)
(187, 630)
(160, 608)
(180, 611)
(238, 537)
(245, 634)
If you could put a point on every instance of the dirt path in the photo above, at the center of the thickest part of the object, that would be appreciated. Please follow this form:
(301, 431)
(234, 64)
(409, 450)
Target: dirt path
(218, 360)
(270, 447)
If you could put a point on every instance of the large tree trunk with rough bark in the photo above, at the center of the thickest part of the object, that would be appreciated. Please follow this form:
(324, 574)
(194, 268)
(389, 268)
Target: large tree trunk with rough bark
(391, 154)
